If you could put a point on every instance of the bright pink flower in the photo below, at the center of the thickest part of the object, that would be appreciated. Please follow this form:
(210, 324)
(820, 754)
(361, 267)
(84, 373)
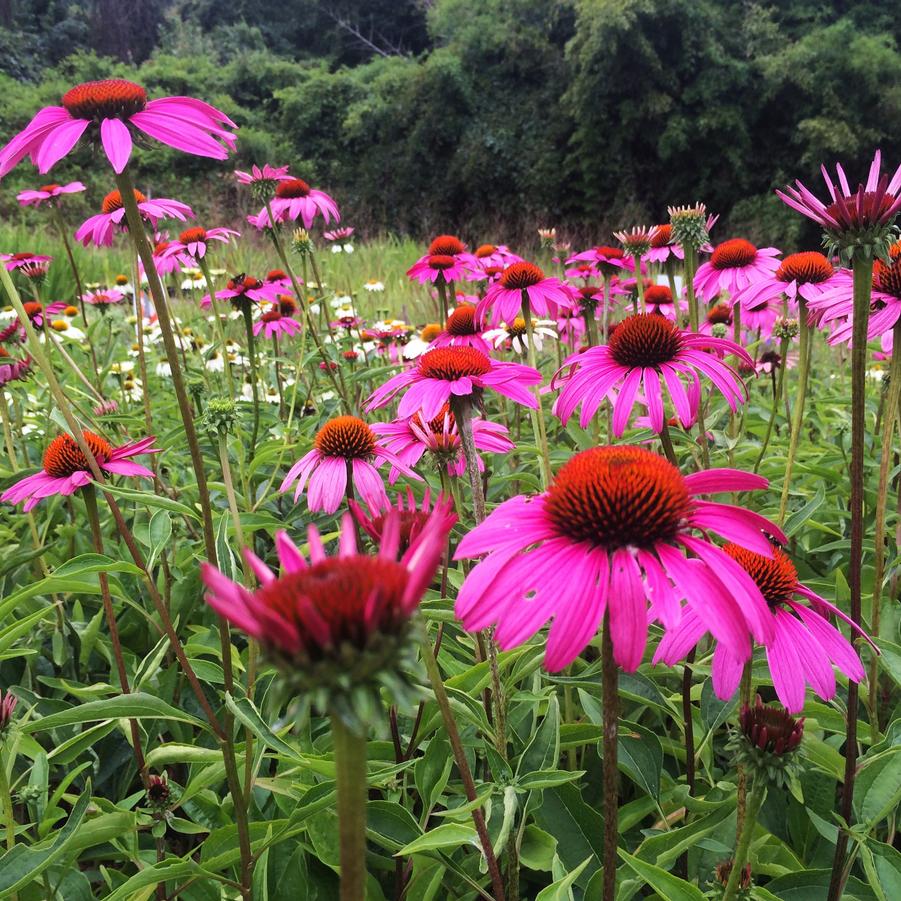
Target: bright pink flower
(437, 268)
(504, 298)
(65, 468)
(492, 255)
(808, 275)
(48, 193)
(734, 265)
(108, 107)
(339, 234)
(319, 608)
(245, 286)
(871, 207)
(645, 353)
(12, 369)
(295, 199)
(462, 330)
(193, 242)
(410, 438)
(444, 372)
(611, 533)
(803, 645)
(273, 324)
(36, 312)
(268, 174)
(100, 229)
(29, 263)
(164, 265)
(280, 279)
(834, 307)
(345, 450)
(659, 299)
(663, 246)
(103, 298)
(607, 261)
(413, 518)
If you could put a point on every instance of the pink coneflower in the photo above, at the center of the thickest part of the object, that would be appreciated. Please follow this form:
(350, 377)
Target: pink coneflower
(492, 255)
(647, 352)
(659, 299)
(193, 242)
(108, 107)
(245, 287)
(462, 330)
(48, 193)
(861, 215)
(12, 369)
(444, 372)
(447, 261)
(100, 229)
(295, 199)
(734, 265)
(37, 313)
(345, 449)
(66, 469)
(317, 610)
(504, 298)
(612, 530)
(413, 517)
(803, 647)
(663, 246)
(29, 264)
(103, 299)
(164, 264)
(273, 324)
(267, 175)
(808, 274)
(835, 305)
(410, 438)
(607, 261)
(339, 234)
(280, 279)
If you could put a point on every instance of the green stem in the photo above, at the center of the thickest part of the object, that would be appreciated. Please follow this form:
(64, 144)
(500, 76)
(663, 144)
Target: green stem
(453, 734)
(537, 415)
(756, 794)
(442, 298)
(798, 416)
(863, 286)
(217, 325)
(9, 811)
(882, 493)
(610, 702)
(350, 775)
(247, 310)
(774, 409)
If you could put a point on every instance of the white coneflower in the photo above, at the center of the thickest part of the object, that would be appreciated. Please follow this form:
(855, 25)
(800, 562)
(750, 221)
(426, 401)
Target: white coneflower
(374, 285)
(516, 334)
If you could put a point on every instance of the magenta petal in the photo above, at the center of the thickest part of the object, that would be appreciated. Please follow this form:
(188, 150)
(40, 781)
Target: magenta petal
(58, 143)
(628, 608)
(116, 140)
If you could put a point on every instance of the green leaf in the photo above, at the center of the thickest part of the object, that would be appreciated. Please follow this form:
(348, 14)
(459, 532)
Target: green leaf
(150, 499)
(577, 826)
(561, 890)
(890, 660)
(640, 757)
(448, 835)
(249, 716)
(877, 788)
(22, 864)
(548, 778)
(799, 517)
(665, 884)
(432, 771)
(131, 706)
(158, 533)
(882, 864)
(538, 848)
(543, 750)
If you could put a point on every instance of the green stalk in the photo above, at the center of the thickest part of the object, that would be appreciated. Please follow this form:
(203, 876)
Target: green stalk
(863, 286)
(254, 386)
(537, 416)
(610, 703)
(9, 811)
(217, 325)
(798, 416)
(755, 800)
(350, 775)
(453, 734)
(694, 321)
(777, 399)
(885, 463)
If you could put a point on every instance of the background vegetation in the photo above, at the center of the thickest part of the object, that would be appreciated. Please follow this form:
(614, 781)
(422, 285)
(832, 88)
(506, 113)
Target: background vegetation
(422, 115)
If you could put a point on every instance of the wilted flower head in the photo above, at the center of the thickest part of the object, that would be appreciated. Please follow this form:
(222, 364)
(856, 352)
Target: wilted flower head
(158, 792)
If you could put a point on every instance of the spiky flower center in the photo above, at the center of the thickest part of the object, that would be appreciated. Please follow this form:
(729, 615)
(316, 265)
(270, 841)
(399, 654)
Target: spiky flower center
(610, 253)
(619, 497)
(431, 331)
(243, 283)
(735, 253)
(113, 201)
(775, 576)
(346, 436)
(194, 235)
(111, 98)
(276, 275)
(452, 363)
(271, 316)
(517, 328)
(520, 276)
(861, 210)
(49, 189)
(291, 188)
(64, 457)
(446, 245)
(441, 261)
(658, 295)
(645, 340)
(33, 308)
(663, 237)
(808, 267)
(462, 321)
(353, 595)
(720, 313)
(771, 728)
(887, 276)
(286, 305)
(486, 250)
